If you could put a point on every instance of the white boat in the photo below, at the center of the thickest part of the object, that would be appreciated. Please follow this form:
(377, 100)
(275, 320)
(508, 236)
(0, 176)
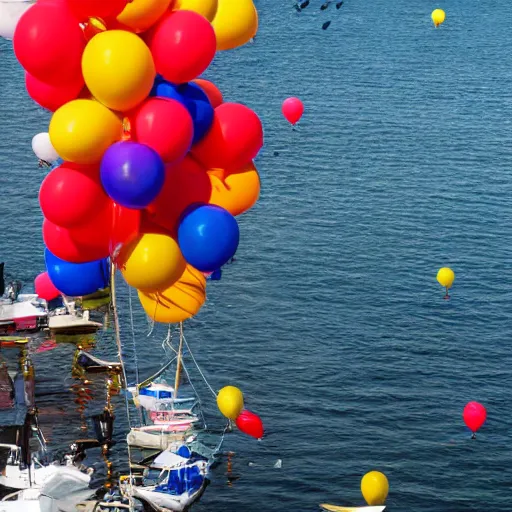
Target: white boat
(68, 320)
(152, 440)
(26, 312)
(10, 13)
(159, 396)
(336, 508)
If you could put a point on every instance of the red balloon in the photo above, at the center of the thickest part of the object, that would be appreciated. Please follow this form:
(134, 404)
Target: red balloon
(183, 44)
(234, 139)
(126, 226)
(185, 183)
(87, 242)
(71, 194)
(49, 43)
(52, 97)
(211, 90)
(164, 125)
(250, 424)
(474, 416)
(292, 109)
(105, 9)
(45, 288)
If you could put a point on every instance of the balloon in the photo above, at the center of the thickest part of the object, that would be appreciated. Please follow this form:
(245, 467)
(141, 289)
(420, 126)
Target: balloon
(292, 109)
(82, 130)
(208, 236)
(125, 227)
(52, 97)
(85, 9)
(445, 277)
(71, 194)
(43, 149)
(118, 69)
(139, 15)
(48, 42)
(438, 16)
(180, 301)
(235, 138)
(10, 14)
(230, 402)
(194, 99)
(77, 279)
(132, 174)
(44, 287)
(182, 44)
(375, 487)
(235, 23)
(185, 183)
(206, 8)
(211, 90)
(474, 416)
(86, 242)
(164, 125)
(236, 191)
(152, 262)
(250, 424)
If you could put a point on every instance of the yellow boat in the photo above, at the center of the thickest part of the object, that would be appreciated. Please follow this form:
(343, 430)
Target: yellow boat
(336, 508)
(13, 341)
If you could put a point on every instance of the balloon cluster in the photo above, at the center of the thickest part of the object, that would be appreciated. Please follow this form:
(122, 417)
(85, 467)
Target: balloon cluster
(156, 166)
(230, 401)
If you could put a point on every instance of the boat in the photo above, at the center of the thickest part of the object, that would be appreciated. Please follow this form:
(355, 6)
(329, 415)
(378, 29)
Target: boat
(69, 320)
(21, 312)
(94, 364)
(336, 508)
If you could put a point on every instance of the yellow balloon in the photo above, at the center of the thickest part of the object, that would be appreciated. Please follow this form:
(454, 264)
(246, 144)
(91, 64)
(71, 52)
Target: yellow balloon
(118, 69)
(438, 16)
(152, 262)
(180, 301)
(139, 15)
(375, 488)
(207, 8)
(230, 402)
(82, 130)
(235, 23)
(445, 277)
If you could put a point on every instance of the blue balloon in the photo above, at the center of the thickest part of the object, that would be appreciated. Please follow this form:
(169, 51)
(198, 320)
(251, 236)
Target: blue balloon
(208, 236)
(77, 279)
(193, 98)
(132, 174)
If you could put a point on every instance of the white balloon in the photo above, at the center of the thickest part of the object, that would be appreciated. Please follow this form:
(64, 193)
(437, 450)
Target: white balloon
(10, 14)
(43, 148)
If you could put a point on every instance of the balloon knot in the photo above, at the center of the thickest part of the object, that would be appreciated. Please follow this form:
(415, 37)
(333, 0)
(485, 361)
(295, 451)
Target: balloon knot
(127, 129)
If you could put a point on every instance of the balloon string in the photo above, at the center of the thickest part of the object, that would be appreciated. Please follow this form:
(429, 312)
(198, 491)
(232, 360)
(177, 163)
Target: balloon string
(127, 129)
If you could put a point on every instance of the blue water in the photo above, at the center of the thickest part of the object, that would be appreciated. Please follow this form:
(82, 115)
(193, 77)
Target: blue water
(331, 320)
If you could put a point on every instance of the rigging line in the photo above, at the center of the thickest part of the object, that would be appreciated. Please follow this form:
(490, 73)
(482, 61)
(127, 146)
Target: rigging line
(134, 346)
(167, 343)
(199, 369)
(196, 393)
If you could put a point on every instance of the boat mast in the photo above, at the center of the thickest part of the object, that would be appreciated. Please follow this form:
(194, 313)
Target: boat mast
(178, 363)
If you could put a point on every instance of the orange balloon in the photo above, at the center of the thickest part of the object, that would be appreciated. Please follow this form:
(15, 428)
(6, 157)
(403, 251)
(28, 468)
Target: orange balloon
(211, 90)
(180, 301)
(235, 191)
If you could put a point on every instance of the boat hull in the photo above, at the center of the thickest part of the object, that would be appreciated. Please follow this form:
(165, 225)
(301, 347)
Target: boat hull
(162, 501)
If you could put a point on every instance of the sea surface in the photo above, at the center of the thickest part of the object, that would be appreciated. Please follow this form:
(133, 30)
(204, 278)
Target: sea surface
(331, 320)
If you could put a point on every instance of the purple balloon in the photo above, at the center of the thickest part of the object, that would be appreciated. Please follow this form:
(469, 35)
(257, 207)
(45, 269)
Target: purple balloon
(132, 174)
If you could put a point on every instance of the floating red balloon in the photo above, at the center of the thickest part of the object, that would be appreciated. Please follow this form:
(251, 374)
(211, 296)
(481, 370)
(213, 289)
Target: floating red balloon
(48, 42)
(183, 44)
(44, 287)
(474, 416)
(185, 183)
(292, 108)
(52, 97)
(250, 424)
(211, 90)
(104, 9)
(234, 139)
(72, 194)
(164, 125)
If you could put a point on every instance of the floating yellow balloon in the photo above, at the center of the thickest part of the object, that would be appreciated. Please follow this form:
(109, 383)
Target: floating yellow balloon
(375, 488)
(139, 15)
(180, 301)
(235, 23)
(82, 130)
(207, 8)
(438, 17)
(230, 402)
(445, 277)
(118, 69)
(152, 262)
(235, 191)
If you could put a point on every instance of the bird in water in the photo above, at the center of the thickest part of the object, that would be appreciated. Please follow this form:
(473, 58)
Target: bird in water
(339, 4)
(325, 5)
(325, 26)
(303, 5)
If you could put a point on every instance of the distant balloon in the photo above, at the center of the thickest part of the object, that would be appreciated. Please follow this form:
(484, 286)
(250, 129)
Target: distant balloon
(445, 277)
(438, 17)
(43, 148)
(375, 488)
(250, 424)
(230, 401)
(474, 416)
(292, 108)
(44, 287)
